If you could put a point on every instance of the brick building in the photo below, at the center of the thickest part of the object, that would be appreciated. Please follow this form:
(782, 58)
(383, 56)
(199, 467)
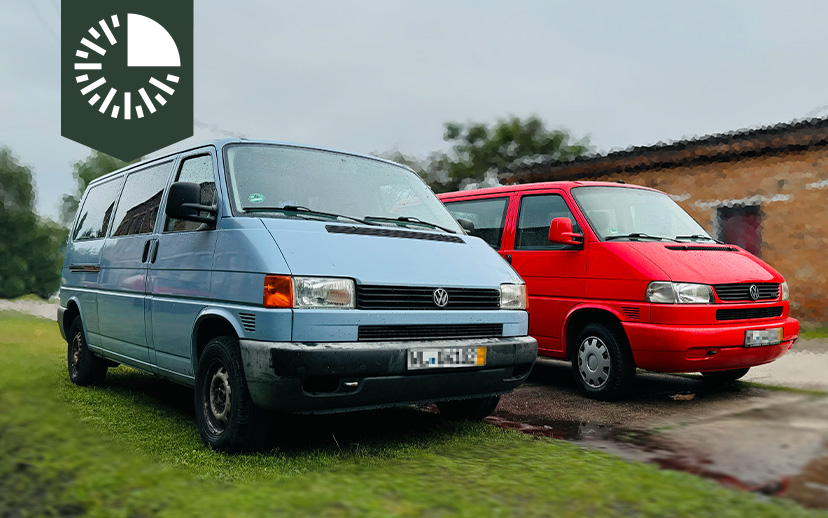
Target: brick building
(763, 189)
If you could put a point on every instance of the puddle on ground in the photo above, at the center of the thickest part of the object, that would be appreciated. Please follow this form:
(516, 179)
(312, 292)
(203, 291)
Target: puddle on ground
(809, 487)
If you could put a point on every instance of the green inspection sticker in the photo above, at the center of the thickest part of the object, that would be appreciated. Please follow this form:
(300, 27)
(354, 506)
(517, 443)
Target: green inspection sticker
(256, 198)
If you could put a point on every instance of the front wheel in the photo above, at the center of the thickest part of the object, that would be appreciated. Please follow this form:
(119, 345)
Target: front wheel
(84, 367)
(475, 409)
(227, 418)
(725, 376)
(602, 363)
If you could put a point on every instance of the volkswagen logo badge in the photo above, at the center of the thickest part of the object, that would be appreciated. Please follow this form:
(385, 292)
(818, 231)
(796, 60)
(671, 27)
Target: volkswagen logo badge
(754, 292)
(440, 297)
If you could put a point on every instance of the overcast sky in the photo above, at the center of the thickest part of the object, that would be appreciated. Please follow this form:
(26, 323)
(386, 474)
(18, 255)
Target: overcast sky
(378, 75)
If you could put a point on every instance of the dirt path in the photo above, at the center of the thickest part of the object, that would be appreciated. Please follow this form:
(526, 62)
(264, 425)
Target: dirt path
(768, 441)
(38, 308)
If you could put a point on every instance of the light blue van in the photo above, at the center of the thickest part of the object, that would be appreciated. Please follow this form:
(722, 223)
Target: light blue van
(283, 278)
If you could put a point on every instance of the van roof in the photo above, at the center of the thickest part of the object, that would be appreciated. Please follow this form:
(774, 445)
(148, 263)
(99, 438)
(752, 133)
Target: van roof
(220, 143)
(565, 185)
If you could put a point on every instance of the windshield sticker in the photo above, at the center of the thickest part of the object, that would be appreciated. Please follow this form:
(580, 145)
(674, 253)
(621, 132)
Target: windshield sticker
(256, 197)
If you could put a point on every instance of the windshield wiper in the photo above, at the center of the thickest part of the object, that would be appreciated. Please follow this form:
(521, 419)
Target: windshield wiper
(640, 235)
(700, 236)
(305, 210)
(409, 219)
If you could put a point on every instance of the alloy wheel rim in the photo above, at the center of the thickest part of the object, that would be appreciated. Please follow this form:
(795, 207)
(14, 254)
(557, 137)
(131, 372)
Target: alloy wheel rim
(594, 362)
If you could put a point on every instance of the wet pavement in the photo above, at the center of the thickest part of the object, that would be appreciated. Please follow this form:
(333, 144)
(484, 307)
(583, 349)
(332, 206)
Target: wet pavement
(768, 441)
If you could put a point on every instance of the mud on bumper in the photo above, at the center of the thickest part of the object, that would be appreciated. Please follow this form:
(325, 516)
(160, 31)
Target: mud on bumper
(343, 376)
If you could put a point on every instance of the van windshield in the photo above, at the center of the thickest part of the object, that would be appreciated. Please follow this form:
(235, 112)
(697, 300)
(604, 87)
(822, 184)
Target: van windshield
(636, 214)
(324, 184)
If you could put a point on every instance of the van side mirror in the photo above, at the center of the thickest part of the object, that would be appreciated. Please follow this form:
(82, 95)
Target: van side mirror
(560, 232)
(467, 225)
(184, 202)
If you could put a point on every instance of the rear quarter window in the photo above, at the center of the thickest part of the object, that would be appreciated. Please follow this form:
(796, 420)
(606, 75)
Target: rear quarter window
(96, 210)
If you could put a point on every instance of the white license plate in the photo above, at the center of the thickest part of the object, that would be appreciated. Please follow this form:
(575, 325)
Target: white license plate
(760, 337)
(444, 357)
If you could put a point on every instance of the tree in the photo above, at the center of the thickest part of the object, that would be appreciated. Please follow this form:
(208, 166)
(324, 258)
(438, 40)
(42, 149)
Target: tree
(31, 248)
(479, 153)
(94, 166)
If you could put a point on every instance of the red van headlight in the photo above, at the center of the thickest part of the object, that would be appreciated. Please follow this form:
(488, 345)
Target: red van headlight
(664, 292)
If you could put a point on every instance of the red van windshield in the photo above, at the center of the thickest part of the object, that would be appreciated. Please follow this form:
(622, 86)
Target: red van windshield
(617, 212)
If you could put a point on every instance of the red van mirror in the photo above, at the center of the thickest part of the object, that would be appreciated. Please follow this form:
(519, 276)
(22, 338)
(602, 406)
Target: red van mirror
(560, 232)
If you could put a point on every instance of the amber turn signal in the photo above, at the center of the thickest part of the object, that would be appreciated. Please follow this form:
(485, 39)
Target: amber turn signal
(278, 291)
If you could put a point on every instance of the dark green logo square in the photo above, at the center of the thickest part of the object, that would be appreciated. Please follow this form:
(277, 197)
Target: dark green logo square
(127, 74)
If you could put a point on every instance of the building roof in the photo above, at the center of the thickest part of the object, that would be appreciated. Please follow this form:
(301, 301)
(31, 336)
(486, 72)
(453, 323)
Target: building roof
(796, 136)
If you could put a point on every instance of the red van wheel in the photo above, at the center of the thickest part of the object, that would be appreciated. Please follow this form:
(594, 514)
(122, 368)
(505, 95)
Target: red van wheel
(602, 362)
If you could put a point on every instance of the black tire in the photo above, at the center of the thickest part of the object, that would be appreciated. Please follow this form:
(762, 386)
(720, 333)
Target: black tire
(84, 367)
(227, 422)
(724, 376)
(475, 409)
(602, 362)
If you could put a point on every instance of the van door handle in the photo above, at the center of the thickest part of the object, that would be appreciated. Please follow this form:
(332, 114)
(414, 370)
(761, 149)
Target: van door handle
(155, 252)
(146, 250)
(509, 258)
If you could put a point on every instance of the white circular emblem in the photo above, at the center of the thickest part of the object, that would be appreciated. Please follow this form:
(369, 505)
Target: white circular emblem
(754, 292)
(440, 297)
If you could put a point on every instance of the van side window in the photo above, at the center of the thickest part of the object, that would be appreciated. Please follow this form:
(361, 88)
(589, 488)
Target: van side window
(140, 199)
(488, 216)
(196, 170)
(97, 210)
(535, 215)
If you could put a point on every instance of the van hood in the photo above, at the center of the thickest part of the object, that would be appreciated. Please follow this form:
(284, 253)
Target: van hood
(706, 263)
(341, 249)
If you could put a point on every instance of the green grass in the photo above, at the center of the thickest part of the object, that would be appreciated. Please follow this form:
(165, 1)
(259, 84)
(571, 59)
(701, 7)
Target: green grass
(820, 332)
(131, 449)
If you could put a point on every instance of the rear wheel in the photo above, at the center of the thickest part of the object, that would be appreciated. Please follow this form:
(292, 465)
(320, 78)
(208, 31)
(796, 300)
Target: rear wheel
(226, 416)
(84, 367)
(475, 409)
(602, 363)
(725, 376)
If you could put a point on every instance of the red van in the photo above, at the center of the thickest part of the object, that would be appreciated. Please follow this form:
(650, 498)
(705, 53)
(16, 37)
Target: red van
(620, 277)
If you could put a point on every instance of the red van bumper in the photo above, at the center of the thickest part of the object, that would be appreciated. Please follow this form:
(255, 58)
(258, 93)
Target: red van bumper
(699, 348)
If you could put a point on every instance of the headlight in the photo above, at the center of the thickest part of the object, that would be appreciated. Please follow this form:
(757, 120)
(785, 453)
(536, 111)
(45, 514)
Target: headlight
(660, 292)
(513, 296)
(785, 292)
(283, 291)
(323, 292)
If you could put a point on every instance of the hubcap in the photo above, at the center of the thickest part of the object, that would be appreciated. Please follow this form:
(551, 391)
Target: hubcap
(218, 395)
(75, 354)
(594, 362)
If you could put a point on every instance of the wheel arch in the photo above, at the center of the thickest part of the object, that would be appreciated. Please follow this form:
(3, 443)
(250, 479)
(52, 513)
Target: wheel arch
(73, 309)
(209, 324)
(580, 316)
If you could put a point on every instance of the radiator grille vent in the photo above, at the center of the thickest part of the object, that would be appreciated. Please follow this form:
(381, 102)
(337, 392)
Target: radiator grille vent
(748, 313)
(429, 331)
(741, 291)
(407, 297)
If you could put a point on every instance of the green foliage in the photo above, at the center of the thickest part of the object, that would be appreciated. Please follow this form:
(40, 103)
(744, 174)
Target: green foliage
(130, 448)
(479, 153)
(31, 248)
(94, 166)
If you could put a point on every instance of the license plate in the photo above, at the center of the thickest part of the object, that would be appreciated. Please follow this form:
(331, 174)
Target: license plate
(444, 357)
(760, 337)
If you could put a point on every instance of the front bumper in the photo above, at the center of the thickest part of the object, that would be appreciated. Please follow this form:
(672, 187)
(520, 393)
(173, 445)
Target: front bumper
(702, 348)
(301, 377)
